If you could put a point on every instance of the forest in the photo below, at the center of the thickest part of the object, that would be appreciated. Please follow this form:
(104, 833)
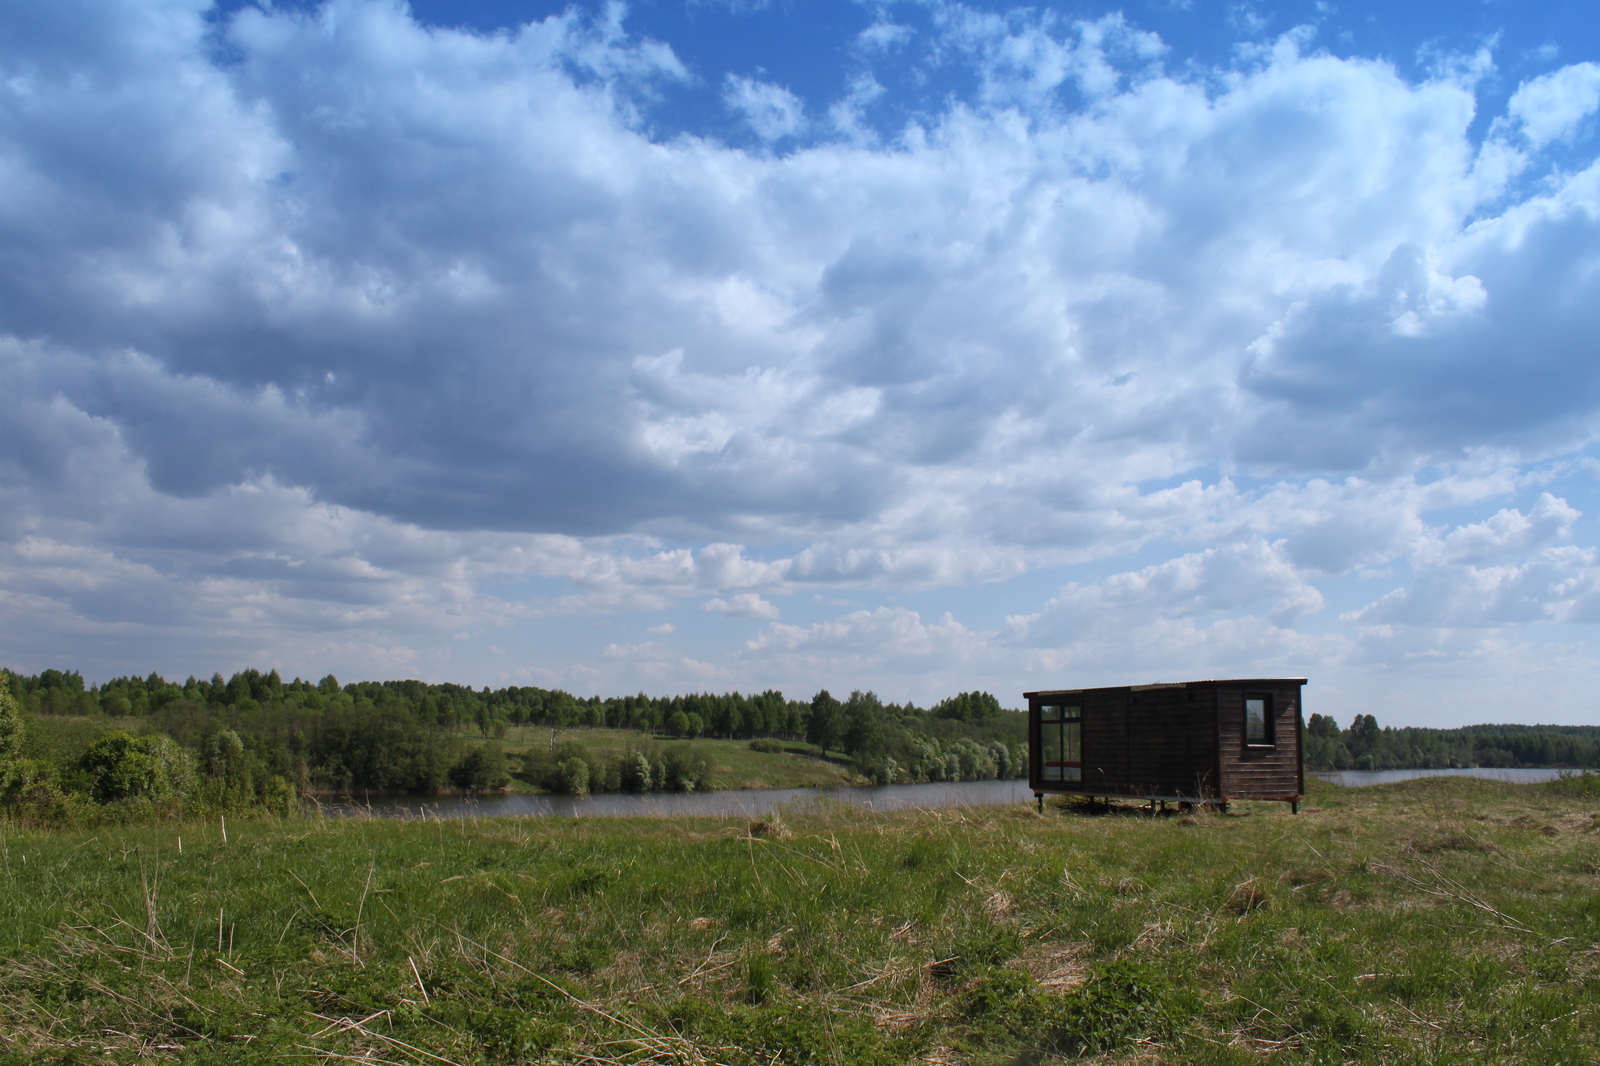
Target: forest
(255, 741)
(1364, 745)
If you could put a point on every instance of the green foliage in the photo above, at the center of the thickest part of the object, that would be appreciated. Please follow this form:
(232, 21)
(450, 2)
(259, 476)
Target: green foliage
(825, 725)
(13, 769)
(152, 767)
(760, 979)
(407, 736)
(999, 992)
(968, 706)
(572, 777)
(481, 769)
(637, 773)
(771, 747)
(1367, 746)
(1126, 1001)
(792, 1032)
(1583, 785)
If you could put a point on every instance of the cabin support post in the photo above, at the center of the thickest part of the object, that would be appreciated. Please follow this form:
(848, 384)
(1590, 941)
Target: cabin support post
(1040, 797)
(1294, 806)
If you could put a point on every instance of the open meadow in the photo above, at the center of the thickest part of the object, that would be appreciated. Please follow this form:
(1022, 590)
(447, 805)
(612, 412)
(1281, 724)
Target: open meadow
(734, 764)
(1439, 921)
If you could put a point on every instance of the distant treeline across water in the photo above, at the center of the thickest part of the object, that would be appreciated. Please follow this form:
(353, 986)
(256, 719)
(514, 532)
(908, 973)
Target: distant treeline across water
(255, 739)
(1364, 745)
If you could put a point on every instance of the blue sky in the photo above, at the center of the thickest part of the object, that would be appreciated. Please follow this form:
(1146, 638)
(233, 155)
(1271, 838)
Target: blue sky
(918, 347)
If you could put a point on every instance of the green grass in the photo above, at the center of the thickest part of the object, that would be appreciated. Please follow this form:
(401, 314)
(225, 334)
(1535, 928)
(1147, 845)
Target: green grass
(797, 766)
(1437, 921)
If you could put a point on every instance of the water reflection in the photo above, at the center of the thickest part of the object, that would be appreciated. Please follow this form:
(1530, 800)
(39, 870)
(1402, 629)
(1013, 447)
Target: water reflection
(752, 803)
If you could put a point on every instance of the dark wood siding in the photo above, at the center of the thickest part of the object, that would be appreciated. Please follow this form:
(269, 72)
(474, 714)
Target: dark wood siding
(1187, 741)
(1105, 740)
(1260, 771)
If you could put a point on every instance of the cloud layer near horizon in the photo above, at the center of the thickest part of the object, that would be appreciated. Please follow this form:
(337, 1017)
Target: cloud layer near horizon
(329, 337)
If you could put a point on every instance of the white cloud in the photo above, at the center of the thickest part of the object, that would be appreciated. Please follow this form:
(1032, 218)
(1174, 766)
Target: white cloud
(1178, 595)
(744, 605)
(887, 640)
(1509, 534)
(1552, 106)
(772, 111)
(330, 334)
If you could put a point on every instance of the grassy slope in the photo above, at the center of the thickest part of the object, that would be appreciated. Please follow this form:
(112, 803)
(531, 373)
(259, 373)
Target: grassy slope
(1434, 921)
(737, 766)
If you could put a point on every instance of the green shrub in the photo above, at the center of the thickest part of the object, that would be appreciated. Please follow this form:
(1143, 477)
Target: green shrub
(770, 747)
(637, 773)
(481, 769)
(686, 769)
(152, 767)
(1584, 785)
(572, 777)
(12, 775)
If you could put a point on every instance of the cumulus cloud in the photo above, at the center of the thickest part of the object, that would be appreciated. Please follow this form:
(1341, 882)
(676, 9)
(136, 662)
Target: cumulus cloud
(1254, 575)
(884, 642)
(744, 605)
(325, 330)
(1506, 570)
(1552, 106)
(772, 111)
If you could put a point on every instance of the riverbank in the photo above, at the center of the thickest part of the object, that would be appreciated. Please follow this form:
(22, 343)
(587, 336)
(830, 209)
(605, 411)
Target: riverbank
(762, 802)
(719, 803)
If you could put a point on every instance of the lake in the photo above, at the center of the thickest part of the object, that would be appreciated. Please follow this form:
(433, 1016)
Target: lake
(735, 803)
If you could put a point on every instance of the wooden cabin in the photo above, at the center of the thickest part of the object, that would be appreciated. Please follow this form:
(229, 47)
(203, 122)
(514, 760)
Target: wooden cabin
(1189, 742)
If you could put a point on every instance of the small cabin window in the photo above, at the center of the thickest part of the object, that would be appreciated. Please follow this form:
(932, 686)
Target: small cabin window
(1060, 742)
(1258, 720)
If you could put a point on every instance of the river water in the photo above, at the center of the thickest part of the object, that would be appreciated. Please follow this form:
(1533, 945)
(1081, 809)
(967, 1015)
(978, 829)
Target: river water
(740, 803)
(1525, 776)
(762, 803)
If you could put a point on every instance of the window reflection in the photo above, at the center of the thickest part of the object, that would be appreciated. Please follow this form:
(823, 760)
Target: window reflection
(1060, 743)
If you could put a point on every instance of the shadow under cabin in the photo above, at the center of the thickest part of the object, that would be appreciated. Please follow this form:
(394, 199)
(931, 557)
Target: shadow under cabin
(1190, 742)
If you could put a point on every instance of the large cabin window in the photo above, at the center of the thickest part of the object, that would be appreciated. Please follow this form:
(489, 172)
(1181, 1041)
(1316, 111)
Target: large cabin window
(1258, 720)
(1060, 742)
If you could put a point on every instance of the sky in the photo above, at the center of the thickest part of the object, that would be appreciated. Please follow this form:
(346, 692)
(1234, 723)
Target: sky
(918, 347)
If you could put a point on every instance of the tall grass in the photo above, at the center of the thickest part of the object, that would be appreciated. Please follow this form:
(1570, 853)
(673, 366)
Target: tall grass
(1438, 921)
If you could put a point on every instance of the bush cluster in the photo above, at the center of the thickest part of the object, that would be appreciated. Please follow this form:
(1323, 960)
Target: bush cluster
(571, 769)
(117, 776)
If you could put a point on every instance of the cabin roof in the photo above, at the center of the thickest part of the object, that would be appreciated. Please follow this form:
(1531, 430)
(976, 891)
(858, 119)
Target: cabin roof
(1231, 682)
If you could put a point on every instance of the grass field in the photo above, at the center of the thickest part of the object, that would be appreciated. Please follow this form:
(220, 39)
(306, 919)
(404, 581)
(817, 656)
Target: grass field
(1437, 921)
(797, 766)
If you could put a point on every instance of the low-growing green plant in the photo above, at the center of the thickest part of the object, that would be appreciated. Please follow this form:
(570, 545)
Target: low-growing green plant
(1127, 1001)
(1580, 785)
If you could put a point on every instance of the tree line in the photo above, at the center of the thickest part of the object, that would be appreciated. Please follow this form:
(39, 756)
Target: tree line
(256, 740)
(1364, 745)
